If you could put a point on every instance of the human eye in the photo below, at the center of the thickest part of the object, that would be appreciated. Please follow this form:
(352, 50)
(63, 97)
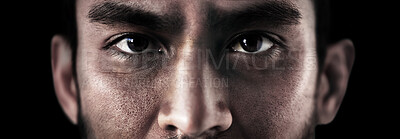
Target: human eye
(132, 43)
(252, 42)
(132, 52)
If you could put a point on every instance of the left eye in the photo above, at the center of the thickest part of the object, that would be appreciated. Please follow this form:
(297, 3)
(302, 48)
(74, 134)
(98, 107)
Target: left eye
(251, 43)
(134, 44)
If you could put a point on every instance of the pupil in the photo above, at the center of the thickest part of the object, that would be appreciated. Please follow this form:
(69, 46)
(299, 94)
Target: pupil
(251, 43)
(137, 44)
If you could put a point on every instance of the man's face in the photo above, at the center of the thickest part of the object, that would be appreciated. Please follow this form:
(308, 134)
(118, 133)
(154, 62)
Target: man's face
(196, 68)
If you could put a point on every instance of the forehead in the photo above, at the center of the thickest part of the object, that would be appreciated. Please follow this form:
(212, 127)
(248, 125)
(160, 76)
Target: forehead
(167, 6)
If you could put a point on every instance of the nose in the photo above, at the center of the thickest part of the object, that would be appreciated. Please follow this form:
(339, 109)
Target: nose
(193, 106)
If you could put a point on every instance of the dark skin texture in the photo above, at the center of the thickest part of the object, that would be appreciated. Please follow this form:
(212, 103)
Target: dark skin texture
(191, 83)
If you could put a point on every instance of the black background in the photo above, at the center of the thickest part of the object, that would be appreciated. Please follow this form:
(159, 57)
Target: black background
(31, 108)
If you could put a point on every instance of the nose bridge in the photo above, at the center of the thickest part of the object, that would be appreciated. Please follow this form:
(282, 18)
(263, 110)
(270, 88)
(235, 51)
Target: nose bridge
(192, 105)
(189, 92)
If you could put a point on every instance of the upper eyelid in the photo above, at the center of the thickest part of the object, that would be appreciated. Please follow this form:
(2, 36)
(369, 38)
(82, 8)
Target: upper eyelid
(279, 41)
(114, 39)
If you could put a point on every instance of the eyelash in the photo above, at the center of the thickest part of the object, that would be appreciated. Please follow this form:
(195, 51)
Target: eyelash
(234, 39)
(113, 40)
(116, 38)
(274, 52)
(120, 55)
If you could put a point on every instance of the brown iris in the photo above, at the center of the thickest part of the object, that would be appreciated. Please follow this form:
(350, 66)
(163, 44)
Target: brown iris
(137, 43)
(250, 42)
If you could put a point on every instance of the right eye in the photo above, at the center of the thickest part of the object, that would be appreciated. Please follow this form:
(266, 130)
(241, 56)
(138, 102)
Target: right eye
(132, 44)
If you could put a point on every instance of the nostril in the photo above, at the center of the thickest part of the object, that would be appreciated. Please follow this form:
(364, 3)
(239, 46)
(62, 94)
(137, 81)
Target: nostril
(170, 127)
(216, 128)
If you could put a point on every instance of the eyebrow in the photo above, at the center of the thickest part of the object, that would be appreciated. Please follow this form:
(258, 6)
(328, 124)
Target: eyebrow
(273, 13)
(113, 13)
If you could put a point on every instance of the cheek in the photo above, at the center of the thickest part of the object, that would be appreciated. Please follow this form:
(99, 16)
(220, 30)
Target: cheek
(276, 100)
(119, 104)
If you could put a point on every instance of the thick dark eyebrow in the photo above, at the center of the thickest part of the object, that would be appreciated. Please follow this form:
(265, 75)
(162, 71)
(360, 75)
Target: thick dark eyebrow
(278, 12)
(271, 13)
(112, 13)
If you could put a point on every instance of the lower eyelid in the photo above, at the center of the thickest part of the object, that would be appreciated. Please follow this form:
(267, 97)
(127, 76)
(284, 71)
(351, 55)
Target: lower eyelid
(272, 53)
(123, 56)
(119, 55)
(275, 51)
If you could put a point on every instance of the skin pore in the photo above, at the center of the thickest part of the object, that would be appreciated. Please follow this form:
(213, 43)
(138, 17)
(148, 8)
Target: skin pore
(193, 77)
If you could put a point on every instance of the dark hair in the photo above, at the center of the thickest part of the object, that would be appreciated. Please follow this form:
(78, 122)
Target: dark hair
(321, 7)
(69, 26)
(323, 17)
